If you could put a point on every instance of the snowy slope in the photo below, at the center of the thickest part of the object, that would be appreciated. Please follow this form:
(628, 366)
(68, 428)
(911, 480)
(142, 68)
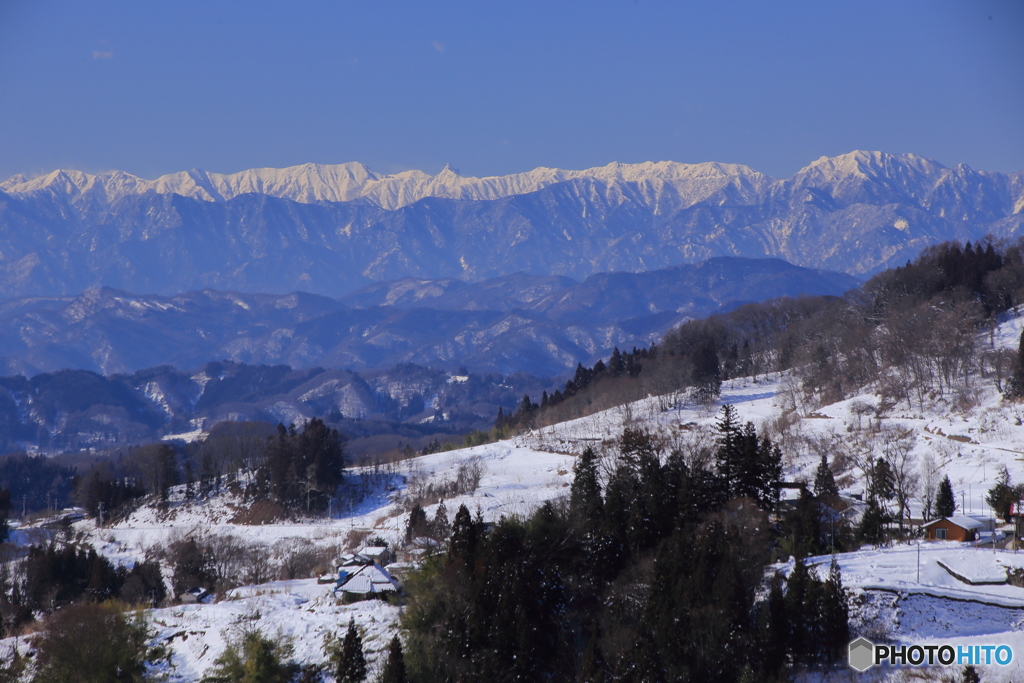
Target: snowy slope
(888, 597)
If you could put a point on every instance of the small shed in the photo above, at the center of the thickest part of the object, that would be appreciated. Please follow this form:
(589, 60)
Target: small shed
(957, 528)
(379, 554)
(194, 595)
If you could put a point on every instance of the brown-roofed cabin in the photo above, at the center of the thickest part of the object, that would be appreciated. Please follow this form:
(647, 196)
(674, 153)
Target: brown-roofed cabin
(958, 528)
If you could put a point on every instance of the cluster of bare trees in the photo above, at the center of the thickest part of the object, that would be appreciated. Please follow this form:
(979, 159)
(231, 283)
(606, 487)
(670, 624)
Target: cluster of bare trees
(887, 459)
(424, 489)
(220, 562)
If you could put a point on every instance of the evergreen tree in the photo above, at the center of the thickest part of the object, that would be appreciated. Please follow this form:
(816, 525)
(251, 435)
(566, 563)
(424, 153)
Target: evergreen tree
(803, 527)
(304, 470)
(706, 374)
(1003, 495)
(252, 657)
(872, 524)
(394, 666)
(746, 478)
(464, 536)
(585, 495)
(945, 501)
(1017, 381)
(417, 524)
(882, 486)
(748, 466)
(801, 620)
(348, 660)
(824, 483)
(206, 474)
(616, 366)
(769, 473)
(728, 453)
(835, 615)
(167, 461)
(321, 463)
(775, 636)
(5, 507)
(970, 675)
(440, 528)
(93, 643)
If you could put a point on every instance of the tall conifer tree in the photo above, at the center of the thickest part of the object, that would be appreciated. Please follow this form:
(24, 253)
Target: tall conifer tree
(394, 666)
(348, 660)
(945, 501)
(824, 483)
(585, 494)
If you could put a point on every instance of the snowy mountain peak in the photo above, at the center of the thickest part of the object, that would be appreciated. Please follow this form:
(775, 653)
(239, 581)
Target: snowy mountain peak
(872, 164)
(852, 177)
(354, 181)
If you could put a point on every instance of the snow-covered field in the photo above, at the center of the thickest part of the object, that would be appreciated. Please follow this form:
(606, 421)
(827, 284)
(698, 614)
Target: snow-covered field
(903, 594)
(303, 612)
(514, 480)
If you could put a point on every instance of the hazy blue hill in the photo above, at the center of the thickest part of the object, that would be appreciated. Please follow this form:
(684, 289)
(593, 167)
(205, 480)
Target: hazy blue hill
(503, 324)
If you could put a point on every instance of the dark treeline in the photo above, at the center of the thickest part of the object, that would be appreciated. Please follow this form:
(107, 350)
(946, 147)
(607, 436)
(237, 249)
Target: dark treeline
(658, 575)
(912, 329)
(36, 483)
(628, 365)
(62, 573)
(298, 470)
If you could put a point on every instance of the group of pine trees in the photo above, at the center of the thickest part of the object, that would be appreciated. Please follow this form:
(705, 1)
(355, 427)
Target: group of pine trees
(303, 469)
(628, 364)
(62, 573)
(750, 466)
(651, 572)
(297, 469)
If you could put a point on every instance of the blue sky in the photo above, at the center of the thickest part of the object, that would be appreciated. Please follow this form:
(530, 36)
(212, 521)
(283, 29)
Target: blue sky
(154, 87)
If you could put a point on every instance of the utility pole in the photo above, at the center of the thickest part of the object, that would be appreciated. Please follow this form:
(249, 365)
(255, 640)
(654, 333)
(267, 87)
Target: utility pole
(919, 561)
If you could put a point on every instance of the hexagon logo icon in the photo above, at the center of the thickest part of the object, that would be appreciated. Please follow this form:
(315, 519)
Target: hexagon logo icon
(862, 654)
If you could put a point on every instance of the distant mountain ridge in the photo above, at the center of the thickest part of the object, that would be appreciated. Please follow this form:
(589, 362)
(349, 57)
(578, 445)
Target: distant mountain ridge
(332, 229)
(519, 322)
(310, 183)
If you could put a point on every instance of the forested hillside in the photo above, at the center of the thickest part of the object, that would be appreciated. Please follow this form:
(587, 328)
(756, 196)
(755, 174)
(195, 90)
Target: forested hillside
(914, 332)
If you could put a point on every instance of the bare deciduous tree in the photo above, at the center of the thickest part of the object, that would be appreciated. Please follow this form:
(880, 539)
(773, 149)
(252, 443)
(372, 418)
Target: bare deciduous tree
(929, 481)
(897, 445)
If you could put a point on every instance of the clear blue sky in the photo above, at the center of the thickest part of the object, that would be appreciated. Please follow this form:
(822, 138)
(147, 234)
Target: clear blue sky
(153, 87)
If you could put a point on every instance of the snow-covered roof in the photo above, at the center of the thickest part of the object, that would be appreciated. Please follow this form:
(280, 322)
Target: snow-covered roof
(370, 579)
(961, 521)
(353, 560)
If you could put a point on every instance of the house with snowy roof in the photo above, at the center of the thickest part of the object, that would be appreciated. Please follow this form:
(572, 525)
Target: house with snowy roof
(379, 554)
(366, 581)
(956, 528)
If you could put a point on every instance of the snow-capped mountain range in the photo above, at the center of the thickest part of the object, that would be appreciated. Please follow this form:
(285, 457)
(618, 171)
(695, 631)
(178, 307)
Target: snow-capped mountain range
(332, 229)
(354, 182)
